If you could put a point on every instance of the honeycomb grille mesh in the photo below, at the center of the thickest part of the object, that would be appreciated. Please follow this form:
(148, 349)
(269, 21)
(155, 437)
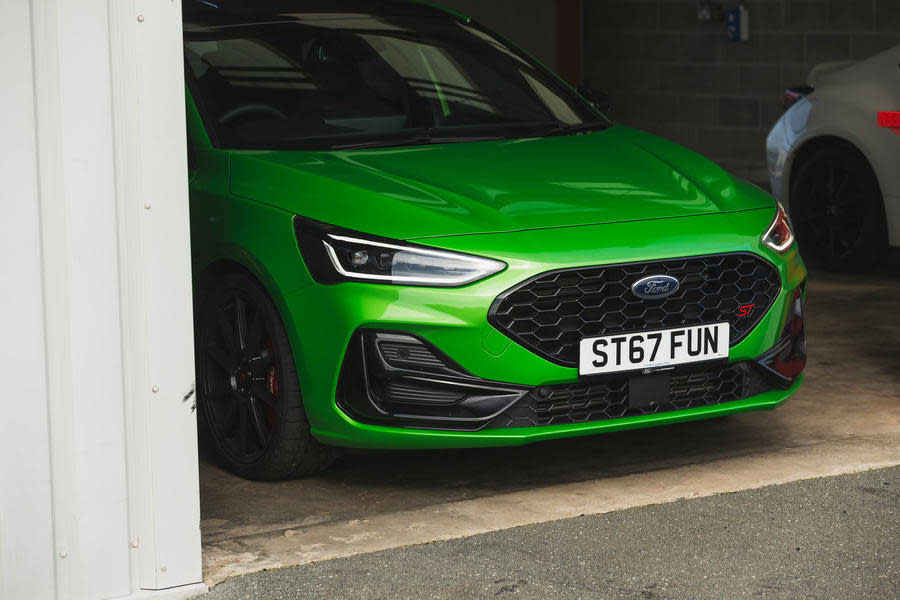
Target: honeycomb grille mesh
(551, 313)
(608, 399)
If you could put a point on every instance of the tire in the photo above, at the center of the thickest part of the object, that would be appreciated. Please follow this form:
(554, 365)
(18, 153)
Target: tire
(837, 210)
(248, 393)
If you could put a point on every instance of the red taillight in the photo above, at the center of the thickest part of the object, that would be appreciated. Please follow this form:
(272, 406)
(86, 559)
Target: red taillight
(890, 119)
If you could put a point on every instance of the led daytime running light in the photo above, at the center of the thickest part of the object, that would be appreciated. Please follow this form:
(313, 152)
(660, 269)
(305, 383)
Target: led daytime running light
(334, 255)
(781, 226)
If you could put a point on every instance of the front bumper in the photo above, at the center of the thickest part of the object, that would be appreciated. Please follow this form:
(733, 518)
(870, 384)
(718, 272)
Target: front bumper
(323, 320)
(394, 379)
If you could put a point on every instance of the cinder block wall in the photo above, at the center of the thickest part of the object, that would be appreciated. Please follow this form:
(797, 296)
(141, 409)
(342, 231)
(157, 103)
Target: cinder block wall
(529, 23)
(682, 79)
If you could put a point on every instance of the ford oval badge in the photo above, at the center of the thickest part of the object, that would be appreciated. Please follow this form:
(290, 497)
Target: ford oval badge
(655, 287)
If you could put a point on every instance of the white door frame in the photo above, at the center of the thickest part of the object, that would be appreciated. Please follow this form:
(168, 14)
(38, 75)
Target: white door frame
(99, 434)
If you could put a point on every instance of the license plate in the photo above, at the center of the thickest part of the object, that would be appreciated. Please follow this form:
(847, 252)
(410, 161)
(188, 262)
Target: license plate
(653, 349)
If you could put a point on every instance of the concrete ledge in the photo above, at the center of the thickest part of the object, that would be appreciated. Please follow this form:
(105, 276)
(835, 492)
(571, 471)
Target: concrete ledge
(302, 545)
(182, 592)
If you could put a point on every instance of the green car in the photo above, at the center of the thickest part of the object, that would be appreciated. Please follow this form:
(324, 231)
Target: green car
(409, 234)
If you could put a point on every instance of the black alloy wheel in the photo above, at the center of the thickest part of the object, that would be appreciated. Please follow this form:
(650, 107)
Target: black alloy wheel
(837, 211)
(249, 397)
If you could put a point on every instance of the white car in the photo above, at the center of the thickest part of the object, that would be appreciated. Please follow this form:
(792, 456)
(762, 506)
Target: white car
(834, 168)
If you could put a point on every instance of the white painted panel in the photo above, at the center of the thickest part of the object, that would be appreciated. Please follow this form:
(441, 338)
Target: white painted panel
(99, 494)
(26, 524)
(78, 208)
(148, 101)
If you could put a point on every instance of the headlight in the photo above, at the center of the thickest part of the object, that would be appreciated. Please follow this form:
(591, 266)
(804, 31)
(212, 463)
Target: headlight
(333, 255)
(779, 236)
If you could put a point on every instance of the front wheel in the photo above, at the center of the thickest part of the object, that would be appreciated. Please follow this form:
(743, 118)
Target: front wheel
(249, 399)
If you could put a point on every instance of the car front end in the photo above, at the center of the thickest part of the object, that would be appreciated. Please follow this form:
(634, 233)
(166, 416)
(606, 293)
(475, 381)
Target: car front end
(496, 362)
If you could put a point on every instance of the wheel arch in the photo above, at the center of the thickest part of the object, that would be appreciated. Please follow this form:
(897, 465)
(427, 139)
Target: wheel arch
(229, 263)
(807, 148)
(244, 262)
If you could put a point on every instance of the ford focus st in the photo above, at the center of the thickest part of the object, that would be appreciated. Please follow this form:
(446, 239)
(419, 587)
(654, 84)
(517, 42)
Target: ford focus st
(407, 233)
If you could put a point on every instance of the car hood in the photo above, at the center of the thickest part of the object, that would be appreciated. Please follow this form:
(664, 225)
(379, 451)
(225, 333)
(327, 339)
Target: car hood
(618, 174)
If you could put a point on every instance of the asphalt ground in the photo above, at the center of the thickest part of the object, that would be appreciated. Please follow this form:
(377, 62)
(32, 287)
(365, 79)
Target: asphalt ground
(829, 538)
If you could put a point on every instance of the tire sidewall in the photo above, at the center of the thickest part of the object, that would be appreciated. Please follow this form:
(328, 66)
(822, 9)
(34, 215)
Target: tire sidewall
(290, 434)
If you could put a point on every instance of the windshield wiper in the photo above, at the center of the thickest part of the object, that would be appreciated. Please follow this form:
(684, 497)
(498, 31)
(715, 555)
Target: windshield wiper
(415, 140)
(575, 128)
(431, 136)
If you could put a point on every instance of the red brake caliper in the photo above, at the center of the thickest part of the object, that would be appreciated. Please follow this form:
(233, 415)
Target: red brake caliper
(890, 119)
(272, 385)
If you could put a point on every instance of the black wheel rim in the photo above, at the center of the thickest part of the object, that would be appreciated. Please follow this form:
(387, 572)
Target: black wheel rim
(240, 377)
(828, 214)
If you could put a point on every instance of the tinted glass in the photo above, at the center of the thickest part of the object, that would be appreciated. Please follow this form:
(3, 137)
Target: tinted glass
(339, 80)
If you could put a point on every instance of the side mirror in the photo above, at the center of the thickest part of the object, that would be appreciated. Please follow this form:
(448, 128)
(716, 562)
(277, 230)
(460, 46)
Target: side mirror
(600, 100)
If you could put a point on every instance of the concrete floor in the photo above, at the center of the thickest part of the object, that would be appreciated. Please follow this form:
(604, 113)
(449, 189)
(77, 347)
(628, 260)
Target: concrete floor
(830, 538)
(846, 418)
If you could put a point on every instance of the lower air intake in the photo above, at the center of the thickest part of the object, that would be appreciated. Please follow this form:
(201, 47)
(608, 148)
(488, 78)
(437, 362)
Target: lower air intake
(609, 399)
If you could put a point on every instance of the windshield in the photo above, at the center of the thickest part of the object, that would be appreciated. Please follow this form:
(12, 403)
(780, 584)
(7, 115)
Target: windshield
(326, 81)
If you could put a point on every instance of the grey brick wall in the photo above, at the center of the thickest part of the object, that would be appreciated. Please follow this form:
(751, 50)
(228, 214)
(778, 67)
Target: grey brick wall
(529, 23)
(682, 79)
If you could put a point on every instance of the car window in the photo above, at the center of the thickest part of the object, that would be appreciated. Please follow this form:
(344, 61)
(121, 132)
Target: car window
(317, 81)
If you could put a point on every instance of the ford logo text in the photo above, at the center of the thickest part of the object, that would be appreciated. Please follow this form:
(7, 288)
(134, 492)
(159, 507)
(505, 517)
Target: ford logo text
(655, 287)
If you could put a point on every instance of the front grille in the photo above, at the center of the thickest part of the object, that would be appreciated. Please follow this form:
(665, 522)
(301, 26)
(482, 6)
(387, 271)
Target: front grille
(608, 399)
(551, 313)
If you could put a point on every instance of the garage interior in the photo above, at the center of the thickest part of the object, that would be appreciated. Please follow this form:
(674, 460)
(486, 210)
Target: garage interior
(682, 79)
(111, 496)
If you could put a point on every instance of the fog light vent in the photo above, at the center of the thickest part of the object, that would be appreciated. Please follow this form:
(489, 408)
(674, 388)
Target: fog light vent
(396, 379)
(407, 352)
(401, 392)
